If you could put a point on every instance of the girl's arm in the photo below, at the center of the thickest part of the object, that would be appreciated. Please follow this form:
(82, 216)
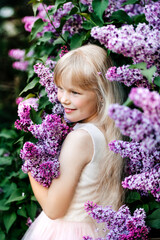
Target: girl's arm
(76, 152)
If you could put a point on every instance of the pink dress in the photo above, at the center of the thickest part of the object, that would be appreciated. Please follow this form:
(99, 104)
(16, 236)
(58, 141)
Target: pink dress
(76, 223)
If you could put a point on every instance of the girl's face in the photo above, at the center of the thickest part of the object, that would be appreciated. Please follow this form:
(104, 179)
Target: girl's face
(79, 104)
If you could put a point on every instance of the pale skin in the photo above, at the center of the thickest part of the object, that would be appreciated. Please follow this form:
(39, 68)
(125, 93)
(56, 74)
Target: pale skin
(76, 152)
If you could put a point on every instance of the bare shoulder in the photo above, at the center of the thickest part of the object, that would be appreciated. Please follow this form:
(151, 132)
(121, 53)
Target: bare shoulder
(79, 143)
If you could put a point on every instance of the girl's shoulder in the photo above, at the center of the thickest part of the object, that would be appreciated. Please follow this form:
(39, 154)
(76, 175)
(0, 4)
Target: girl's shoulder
(79, 143)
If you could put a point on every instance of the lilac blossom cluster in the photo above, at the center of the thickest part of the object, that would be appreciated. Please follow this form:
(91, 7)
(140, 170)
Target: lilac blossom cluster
(41, 158)
(127, 76)
(121, 224)
(24, 108)
(147, 181)
(46, 80)
(144, 130)
(72, 25)
(141, 44)
(19, 55)
(113, 5)
(152, 13)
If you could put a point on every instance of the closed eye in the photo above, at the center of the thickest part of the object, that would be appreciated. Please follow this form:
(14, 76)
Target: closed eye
(74, 92)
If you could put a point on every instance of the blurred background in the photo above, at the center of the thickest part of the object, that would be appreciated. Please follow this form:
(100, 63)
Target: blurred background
(12, 35)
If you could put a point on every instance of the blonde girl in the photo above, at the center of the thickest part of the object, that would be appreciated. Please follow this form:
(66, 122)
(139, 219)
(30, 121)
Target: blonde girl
(89, 171)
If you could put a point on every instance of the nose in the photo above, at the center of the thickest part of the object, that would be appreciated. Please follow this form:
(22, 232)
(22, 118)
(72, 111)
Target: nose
(65, 98)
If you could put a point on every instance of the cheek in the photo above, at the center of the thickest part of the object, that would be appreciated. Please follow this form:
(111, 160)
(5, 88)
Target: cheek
(59, 96)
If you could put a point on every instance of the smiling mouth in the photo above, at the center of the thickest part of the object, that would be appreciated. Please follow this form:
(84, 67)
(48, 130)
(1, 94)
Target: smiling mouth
(69, 110)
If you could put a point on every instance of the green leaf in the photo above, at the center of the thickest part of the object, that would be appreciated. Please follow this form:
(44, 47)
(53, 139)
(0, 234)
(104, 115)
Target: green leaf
(35, 6)
(2, 235)
(148, 73)
(3, 207)
(153, 220)
(22, 175)
(58, 3)
(157, 81)
(31, 85)
(128, 102)
(73, 11)
(122, 17)
(77, 40)
(99, 6)
(43, 102)
(16, 196)
(32, 209)
(22, 212)
(87, 25)
(154, 205)
(86, 15)
(130, 2)
(6, 161)
(9, 219)
(33, 198)
(141, 65)
(132, 197)
(46, 37)
(60, 40)
(35, 116)
(141, 18)
(37, 27)
(8, 133)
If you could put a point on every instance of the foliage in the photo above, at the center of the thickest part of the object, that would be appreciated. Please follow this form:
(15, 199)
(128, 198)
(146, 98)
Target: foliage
(17, 202)
(73, 24)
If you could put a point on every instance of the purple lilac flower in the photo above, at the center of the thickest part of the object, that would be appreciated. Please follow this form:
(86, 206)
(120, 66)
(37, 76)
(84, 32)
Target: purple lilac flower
(114, 5)
(131, 122)
(87, 3)
(73, 24)
(56, 18)
(41, 158)
(149, 102)
(46, 80)
(29, 222)
(24, 108)
(127, 76)
(64, 51)
(140, 160)
(152, 13)
(29, 22)
(146, 181)
(17, 54)
(136, 125)
(22, 65)
(141, 44)
(121, 223)
(19, 99)
(50, 63)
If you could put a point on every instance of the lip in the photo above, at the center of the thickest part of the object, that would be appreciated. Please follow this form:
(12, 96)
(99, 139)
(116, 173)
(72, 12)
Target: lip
(69, 110)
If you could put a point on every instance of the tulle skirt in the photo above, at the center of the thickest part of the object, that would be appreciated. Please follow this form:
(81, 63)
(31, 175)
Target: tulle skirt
(43, 228)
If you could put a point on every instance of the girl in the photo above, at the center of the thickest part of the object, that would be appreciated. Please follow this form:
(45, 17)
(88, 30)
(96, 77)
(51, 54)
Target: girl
(89, 171)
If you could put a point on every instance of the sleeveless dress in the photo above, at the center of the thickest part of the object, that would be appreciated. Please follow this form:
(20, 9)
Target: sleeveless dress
(76, 223)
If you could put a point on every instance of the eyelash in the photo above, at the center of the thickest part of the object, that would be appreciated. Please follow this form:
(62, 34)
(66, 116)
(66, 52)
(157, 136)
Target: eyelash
(75, 92)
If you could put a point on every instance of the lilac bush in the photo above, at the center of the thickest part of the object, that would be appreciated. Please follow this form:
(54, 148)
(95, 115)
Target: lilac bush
(121, 224)
(144, 130)
(141, 43)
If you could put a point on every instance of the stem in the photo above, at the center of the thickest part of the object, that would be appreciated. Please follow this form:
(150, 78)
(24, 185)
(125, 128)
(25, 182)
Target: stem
(54, 26)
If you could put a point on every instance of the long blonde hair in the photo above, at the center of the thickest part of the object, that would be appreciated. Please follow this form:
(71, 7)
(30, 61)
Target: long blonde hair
(87, 67)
